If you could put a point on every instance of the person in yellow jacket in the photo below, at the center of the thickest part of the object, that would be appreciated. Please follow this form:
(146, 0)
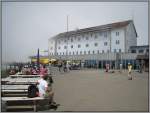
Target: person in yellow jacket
(129, 71)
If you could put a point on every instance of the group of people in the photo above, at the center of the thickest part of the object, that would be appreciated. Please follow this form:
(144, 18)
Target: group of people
(29, 70)
(64, 65)
(107, 67)
(44, 84)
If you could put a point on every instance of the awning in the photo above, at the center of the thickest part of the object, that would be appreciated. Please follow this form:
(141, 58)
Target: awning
(142, 57)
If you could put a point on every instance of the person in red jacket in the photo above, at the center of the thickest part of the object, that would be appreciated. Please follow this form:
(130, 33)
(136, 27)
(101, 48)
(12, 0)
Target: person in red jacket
(43, 70)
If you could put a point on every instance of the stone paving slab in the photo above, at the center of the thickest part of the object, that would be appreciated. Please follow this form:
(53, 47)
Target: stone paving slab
(96, 90)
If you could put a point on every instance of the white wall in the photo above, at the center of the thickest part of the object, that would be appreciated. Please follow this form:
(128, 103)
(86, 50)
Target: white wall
(91, 41)
(121, 38)
(51, 46)
(131, 39)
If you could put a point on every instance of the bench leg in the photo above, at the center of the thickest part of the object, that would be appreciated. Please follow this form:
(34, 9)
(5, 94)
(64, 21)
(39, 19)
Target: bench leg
(34, 106)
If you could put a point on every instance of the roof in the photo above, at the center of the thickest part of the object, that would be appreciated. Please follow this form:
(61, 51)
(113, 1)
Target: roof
(143, 46)
(98, 28)
(140, 57)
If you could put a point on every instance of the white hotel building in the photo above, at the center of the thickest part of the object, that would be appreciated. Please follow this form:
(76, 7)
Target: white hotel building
(96, 45)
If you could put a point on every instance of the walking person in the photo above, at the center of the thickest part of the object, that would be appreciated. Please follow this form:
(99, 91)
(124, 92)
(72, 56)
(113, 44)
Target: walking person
(67, 66)
(120, 68)
(107, 67)
(129, 71)
(60, 65)
(50, 69)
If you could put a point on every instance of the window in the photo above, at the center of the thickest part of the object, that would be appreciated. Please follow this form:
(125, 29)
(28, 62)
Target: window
(66, 53)
(95, 36)
(100, 33)
(97, 51)
(71, 46)
(57, 53)
(147, 50)
(83, 35)
(87, 38)
(65, 47)
(120, 50)
(117, 41)
(88, 52)
(133, 51)
(51, 48)
(85, 52)
(77, 52)
(60, 53)
(78, 39)
(105, 34)
(52, 53)
(102, 51)
(105, 43)
(91, 34)
(63, 53)
(80, 52)
(58, 47)
(59, 41)
(93, 52)
(87, 45)
(114, 50)
(107, 51)
(117, 33)
(79, 46)
(69, 53)
(96, 44)
(65, 40)
(141, 51)
(73, 53)
(71, 40)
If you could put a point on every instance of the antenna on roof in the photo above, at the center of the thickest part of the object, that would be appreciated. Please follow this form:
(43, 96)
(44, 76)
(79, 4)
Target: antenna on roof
(67, 23)
(133, 15)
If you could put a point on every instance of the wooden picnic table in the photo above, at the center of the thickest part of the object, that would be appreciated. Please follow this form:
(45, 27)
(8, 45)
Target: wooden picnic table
(14, 87)
(23, 81)
(24, 76)
(14, 90)
(22, 99)
(20, 83)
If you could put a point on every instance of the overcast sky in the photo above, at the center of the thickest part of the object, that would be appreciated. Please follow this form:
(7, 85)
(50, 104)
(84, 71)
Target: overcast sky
(27, 26)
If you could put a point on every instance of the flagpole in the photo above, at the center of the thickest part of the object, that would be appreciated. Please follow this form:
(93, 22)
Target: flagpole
(38, 59)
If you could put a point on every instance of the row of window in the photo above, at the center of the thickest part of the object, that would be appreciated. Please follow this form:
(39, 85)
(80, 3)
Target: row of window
(79, 46)
(87, 38)
(140, 51)
(87, 45)
(84, 52)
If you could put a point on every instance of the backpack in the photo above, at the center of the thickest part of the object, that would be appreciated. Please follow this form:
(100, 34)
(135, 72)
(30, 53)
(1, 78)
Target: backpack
(32, 91)
(51, 80)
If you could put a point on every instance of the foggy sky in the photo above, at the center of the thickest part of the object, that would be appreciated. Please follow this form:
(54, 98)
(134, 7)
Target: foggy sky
(27, 26)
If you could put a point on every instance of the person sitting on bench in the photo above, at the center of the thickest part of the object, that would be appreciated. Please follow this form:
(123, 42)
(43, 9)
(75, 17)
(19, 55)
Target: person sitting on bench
(46, 91)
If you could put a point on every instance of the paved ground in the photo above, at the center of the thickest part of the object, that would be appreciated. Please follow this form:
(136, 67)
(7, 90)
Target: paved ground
(95, 90)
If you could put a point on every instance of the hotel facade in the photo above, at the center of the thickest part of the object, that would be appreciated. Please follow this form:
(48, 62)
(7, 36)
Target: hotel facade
(96, 46)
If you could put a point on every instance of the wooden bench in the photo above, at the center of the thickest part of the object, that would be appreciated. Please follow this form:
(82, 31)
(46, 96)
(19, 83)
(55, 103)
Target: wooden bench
(5, 80)
(23, 81)
(14, 93)
(33, 102)
(14, 90)
(24, 76)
